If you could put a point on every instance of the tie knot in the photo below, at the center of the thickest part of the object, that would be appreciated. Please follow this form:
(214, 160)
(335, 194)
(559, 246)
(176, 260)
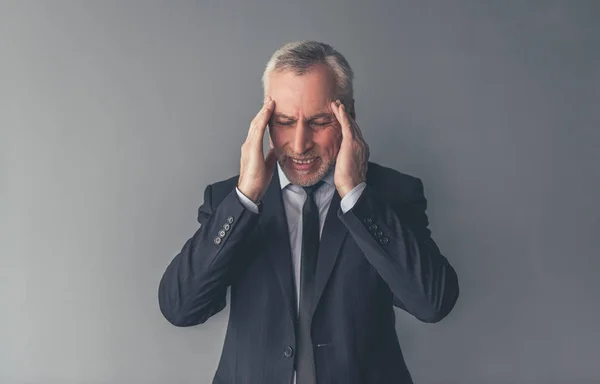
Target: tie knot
(312, 188)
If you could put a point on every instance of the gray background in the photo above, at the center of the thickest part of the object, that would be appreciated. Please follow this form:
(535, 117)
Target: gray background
(116, 114)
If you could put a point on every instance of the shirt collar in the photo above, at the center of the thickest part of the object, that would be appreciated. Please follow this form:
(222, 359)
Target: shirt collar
(284, 182)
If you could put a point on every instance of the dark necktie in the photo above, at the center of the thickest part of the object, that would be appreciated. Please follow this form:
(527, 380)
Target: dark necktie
(305, 362)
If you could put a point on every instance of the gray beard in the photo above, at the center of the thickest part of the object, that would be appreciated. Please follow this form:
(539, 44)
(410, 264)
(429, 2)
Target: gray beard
(307, 182)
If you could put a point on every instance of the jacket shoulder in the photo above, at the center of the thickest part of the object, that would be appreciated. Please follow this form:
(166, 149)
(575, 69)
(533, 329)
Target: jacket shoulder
(394, 186)
(383, 176)
(220, 189)
(223, 187)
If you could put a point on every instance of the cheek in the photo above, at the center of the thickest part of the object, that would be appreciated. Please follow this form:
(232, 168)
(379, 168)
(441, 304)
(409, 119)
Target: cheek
(281, 140)
(330, 141)
(276, 137)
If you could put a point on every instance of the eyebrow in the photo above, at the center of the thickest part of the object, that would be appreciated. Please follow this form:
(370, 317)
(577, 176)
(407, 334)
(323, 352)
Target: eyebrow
(314, 117)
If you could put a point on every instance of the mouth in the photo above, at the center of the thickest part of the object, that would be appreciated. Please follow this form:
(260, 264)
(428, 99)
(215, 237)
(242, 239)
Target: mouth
(303, 165)
(303, 161)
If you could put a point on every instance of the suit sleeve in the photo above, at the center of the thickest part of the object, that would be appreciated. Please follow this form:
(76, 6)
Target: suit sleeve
(397, 242)
(194, 285)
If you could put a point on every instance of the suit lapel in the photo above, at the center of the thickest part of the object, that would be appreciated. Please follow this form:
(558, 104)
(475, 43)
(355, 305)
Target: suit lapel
(334, 233)
(276, 236)
(275, 232)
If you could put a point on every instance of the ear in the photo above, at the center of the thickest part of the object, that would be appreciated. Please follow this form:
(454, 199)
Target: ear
(351, 110)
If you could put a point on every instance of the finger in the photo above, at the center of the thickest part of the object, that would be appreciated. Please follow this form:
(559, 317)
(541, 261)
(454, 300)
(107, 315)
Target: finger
(271, 145)
(259, 123)
(347, 129)
(255, 123)
(354, 127)
(335, 107)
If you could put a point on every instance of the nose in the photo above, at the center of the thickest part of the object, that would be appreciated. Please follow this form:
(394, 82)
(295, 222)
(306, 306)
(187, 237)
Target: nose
(302, 138)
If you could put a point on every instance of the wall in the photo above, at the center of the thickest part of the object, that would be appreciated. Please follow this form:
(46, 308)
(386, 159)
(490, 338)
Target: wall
(116, 114)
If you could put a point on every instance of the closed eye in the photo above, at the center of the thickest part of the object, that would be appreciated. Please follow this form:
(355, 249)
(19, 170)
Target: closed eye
(320, 124)
(284, 123)
(314, 124)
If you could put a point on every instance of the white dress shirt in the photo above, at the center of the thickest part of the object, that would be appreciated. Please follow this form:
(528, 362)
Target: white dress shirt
(293, 201)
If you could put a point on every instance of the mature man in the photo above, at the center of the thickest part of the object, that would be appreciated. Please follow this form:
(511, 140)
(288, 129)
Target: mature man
(317, 243)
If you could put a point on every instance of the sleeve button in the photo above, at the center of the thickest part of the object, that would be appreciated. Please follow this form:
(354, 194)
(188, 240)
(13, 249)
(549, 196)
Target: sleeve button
(288, 351)
(217, 240)
(230, 219)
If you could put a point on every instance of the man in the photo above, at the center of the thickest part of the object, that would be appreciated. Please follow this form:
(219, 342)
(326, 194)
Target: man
(317, 243)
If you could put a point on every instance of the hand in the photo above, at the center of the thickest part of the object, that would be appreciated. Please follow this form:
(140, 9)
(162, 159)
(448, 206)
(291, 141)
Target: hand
(353, 156)
(256, 170)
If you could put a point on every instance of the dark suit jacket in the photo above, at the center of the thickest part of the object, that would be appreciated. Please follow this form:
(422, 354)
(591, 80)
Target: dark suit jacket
(378, 254)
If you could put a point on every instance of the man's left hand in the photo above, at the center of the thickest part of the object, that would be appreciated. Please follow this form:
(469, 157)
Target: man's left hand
(353, 156)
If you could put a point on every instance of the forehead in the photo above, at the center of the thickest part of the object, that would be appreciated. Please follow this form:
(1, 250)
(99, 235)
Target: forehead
(301, 95)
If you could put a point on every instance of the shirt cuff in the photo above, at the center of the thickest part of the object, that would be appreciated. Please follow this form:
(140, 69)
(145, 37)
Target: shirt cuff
(246, 202)
(352, 197)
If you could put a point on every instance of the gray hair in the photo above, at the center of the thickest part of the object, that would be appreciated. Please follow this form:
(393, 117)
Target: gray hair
(301, 56)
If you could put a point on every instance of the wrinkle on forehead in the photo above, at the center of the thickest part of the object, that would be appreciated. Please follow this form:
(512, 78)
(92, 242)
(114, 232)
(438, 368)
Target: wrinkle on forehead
(302, 96)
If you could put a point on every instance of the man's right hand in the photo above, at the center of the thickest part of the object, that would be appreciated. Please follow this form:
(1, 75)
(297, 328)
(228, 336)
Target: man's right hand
(256, 170)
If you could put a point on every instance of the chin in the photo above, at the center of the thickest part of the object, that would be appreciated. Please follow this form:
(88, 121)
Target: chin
(304, 179)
